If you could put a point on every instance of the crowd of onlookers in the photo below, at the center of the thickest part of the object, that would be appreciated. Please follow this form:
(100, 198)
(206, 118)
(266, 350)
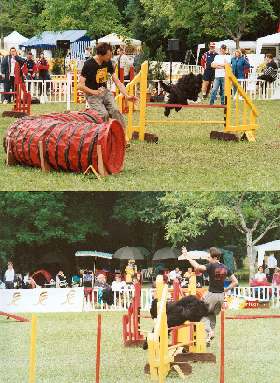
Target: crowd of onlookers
(214, 64)
(31, 69)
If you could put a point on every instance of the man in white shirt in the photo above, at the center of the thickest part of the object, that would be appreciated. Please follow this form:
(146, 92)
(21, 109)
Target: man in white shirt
(219, 64)
(123, 63)
(271, 264)
(9, 277)
(176, 273)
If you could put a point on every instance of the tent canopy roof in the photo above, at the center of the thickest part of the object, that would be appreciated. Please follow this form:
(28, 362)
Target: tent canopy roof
(47, 39)
(14, 37)
(114, 40)
(268, 40)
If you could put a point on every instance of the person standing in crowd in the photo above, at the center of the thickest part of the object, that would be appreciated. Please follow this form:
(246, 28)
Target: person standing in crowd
(238, 65)
(61, 280)
(123, 63)
(217, 272)
(87, 53)
(8, 67)
(271, 264)
(246, 70)
(270, 73)
(276, 277)
(175, 274)
(93, 82)
(30, 67)
(43, 71)
(10, 276)
(209, 72)
(260, 275)
(219, 64)
(87, 283)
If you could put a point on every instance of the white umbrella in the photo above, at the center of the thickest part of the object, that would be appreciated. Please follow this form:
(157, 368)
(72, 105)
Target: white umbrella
(114, 40)
(195, 254)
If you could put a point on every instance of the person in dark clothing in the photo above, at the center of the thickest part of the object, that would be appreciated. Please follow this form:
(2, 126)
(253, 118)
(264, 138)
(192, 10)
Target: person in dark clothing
(217, 272)
(30, 67)
(43, 71)
(209, 72)
(8, 67)
(270, 73)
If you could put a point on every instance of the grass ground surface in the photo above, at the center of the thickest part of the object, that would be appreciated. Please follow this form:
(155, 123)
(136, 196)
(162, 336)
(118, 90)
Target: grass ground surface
(184, 159)
(67, 342)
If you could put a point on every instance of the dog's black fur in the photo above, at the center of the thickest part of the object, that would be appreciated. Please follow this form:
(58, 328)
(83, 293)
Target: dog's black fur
(188, 308)
(187, 88)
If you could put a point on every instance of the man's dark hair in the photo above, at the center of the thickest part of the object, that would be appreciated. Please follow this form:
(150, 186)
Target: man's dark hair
(29, 53)
(269, 56)
(215, 253)
(103, 48)
(12, 48)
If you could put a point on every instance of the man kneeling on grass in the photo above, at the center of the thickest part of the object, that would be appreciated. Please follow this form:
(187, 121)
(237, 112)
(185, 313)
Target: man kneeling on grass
(93, 82)
(217, 272)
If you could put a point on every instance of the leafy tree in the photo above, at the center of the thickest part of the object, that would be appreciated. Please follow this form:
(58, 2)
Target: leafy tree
(189, 215)
(98, 17)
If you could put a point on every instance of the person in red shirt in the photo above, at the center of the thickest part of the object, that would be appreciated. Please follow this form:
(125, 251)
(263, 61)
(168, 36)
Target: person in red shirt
(43, 71)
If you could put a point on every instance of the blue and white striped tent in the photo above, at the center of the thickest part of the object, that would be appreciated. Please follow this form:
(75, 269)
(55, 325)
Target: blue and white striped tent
(47, 40)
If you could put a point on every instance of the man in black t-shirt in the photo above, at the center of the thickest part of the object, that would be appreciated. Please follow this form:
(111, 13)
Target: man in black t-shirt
(93, 82)
(217, 272)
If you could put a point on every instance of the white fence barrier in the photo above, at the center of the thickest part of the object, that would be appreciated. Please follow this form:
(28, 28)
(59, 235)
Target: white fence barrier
(73, 299)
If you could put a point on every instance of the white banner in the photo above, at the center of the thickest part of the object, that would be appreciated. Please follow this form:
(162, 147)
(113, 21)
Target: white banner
(42, 300)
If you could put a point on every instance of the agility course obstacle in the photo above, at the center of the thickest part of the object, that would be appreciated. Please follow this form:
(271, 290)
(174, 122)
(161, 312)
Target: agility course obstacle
(239, 116)
(22, 98)
(73, 141)
(13, 316)
(163, 357)
(131, 322)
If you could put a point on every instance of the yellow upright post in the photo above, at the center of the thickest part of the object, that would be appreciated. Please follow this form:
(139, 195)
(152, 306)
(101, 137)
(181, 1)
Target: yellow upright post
(75, 86)
(117, 74)
(192, 284)
(200, 339)
(143, 100)
(227, 97)
(32, 354)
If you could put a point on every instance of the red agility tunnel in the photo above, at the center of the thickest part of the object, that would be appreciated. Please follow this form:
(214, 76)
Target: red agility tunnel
(69, 141)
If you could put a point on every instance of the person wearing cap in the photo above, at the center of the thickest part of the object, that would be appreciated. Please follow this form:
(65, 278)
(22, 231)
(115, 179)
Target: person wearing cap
(209, 72)
(219, 63)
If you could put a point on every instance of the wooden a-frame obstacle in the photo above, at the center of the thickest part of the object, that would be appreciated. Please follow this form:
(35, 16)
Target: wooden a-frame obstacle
(239, 119)
(163, 357)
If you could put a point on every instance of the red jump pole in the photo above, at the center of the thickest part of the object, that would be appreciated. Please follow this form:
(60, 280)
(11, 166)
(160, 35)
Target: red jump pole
(98, 350)
(222, 361)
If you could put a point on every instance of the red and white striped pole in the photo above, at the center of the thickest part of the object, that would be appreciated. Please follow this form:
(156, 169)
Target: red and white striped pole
(222, 361)
(98, 350)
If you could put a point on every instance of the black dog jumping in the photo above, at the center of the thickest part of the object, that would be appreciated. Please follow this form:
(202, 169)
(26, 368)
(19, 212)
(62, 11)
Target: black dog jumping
(187, 88)
(188, 308)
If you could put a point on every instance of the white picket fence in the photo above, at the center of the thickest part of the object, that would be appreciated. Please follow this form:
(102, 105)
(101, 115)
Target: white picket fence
(55, 90)
(123, 300)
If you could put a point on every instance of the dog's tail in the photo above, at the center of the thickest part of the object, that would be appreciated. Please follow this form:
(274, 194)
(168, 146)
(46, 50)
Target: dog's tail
(165, 87)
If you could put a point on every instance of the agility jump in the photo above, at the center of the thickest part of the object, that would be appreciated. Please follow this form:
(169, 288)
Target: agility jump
(163, 357)
(239, 118)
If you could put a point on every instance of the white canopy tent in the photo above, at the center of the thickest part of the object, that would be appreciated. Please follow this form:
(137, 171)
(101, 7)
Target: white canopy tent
(14, 39)
(269, 41)
(195, 254)
(266, 247)
(115, 40)
(231, 44)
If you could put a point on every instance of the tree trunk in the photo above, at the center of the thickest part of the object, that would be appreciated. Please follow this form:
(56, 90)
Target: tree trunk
(250, 254)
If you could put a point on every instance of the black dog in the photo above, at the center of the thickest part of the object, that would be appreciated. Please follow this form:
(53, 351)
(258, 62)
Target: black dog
(187, 88)
(188, 308)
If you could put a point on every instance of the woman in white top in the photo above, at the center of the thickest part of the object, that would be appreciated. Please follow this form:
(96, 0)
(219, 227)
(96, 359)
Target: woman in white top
(9, 277)
(260, 276)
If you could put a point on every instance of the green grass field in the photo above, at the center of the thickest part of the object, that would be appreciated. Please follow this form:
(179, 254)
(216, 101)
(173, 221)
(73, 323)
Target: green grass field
(67, 342)
(184, 159)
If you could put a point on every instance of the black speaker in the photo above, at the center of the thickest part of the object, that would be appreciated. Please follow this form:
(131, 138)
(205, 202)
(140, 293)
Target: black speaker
(63, 44)
(173, 45)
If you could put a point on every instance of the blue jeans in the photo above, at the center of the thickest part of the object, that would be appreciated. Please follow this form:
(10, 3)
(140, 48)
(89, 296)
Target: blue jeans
(219, 82)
